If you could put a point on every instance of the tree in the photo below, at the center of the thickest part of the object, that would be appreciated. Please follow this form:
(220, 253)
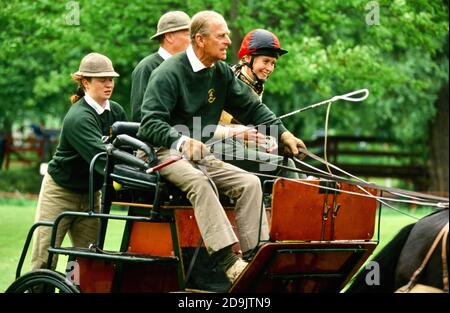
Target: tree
(335, 49)
(400, 55)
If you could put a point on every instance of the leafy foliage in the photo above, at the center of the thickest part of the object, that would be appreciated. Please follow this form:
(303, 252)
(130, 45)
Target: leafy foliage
(403, 61)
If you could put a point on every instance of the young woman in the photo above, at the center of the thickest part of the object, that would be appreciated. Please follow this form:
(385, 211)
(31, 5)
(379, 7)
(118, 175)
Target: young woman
(258, 54)
(65, 185)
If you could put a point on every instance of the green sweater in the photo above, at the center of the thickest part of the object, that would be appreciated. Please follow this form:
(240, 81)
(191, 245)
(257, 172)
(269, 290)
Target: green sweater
(139, 81)
(79, 142)
(176, 98)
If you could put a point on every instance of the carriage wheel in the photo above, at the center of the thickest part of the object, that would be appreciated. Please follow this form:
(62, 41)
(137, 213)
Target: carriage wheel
(42, 281)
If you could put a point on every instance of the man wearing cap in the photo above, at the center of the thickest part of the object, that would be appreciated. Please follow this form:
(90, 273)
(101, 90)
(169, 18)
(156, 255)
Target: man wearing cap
(173, 36)
(65, 185)
(180, 111)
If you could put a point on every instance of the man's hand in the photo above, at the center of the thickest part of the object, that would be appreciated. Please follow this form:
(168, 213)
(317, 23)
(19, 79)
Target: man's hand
(291, 145)
(194, 150)
(247, 134)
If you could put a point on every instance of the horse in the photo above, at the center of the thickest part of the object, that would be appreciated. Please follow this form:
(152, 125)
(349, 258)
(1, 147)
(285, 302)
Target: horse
(404, 254)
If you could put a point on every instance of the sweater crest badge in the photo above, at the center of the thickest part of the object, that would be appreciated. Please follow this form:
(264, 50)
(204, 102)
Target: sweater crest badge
(211, 95)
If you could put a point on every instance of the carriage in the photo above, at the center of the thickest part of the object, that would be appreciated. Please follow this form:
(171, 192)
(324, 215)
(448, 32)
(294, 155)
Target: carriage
(321, 233)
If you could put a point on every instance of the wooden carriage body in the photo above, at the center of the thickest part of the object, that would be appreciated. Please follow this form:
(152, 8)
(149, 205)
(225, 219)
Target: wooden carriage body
(311, 248)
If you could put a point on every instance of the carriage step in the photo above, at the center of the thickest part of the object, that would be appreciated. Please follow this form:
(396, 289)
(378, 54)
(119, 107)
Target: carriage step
(304, 267)
(115, 256)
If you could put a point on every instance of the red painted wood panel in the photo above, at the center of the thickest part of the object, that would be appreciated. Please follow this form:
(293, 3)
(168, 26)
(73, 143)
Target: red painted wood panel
(298, 210)
(95, 275)
(151, 238)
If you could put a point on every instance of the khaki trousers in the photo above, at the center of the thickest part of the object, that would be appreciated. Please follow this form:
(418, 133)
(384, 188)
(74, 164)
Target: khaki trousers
(53, 200)
(212, 221)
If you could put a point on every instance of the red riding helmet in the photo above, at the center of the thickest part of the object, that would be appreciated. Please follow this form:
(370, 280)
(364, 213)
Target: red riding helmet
(261, 42)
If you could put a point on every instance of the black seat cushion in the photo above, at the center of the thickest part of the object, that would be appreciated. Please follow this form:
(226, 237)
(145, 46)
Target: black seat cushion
(129, 128)
(133, 177)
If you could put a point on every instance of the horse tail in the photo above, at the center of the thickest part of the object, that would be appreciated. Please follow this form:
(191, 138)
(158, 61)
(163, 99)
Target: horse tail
(387, 260)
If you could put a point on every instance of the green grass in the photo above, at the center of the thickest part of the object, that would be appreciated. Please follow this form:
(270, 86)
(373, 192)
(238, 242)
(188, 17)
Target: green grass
(15, 220)
(16, 217)
(392, 221)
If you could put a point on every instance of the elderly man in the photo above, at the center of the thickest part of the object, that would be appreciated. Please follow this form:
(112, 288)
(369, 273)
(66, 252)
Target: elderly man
(181, 108)
(173, 36)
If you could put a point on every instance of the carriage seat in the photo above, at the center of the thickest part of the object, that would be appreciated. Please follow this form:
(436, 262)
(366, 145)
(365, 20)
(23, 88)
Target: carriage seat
(132, 176)
(135, 185)
(129, 171)
(140, 187)
(127, 128)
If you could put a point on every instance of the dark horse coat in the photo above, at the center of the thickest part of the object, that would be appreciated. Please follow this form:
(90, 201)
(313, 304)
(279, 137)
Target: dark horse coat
(404, 254)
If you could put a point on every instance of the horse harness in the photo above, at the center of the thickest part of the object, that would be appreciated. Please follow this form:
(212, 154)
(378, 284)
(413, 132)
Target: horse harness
(412, 285)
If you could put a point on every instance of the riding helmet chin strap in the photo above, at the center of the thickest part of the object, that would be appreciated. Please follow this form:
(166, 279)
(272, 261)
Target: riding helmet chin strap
(256, 84)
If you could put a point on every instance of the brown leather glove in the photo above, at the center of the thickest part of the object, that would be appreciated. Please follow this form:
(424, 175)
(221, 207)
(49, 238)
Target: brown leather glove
(194, 150)
(291, 145)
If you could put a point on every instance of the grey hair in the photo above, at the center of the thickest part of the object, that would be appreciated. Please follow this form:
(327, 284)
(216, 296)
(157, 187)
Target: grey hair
(200, 23)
